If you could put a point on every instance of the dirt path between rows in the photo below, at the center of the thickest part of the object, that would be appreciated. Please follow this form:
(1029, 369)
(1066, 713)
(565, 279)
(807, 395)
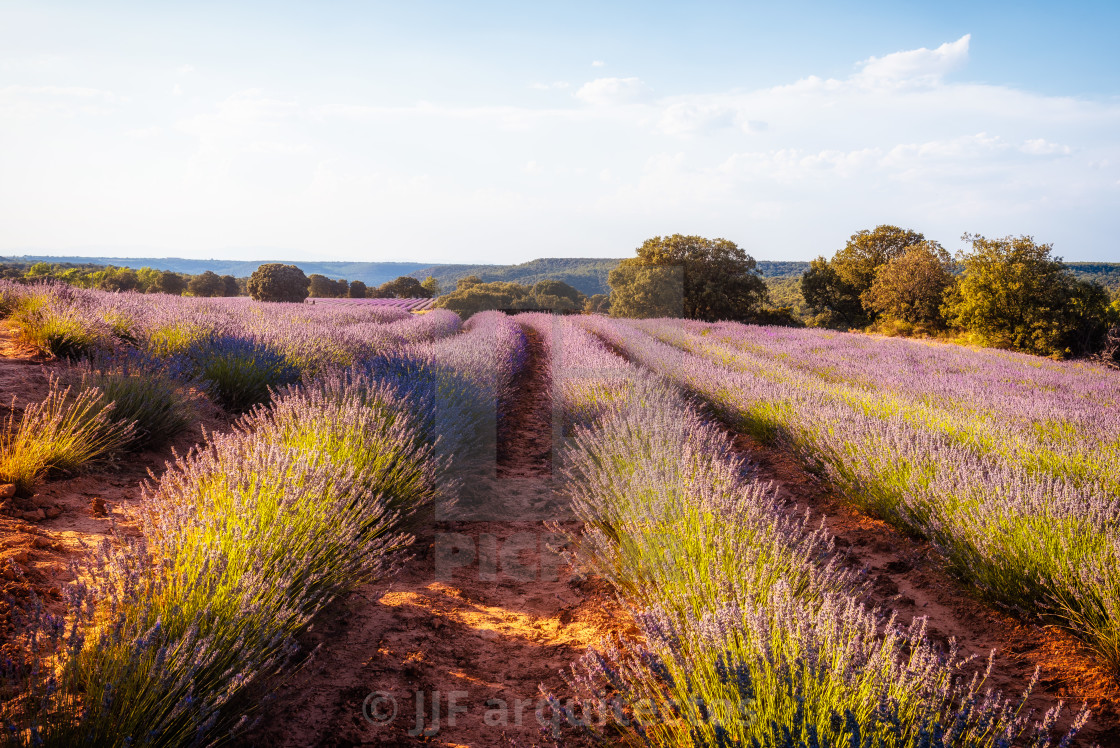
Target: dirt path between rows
(483, 615)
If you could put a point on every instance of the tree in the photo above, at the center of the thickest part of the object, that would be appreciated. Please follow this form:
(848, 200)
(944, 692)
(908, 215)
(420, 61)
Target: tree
(470, 280)
(826, 293)
(432, 286)
(357, 290)
(230, 286)
(277, 282)
(1015, 295)
(480, 297)
(911, 287)
(644, 291)
(171, 283)
(599, 303)
(834, 288)
(319, 286)
(207, 283)
(557, 296)
(148, 279)
(118, 279)
(690, 276)
(404, 287)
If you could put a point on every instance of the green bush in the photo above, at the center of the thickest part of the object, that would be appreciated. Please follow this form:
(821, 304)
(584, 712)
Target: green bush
(277, 282)
(1014, 294)
(63, 432)
(143, 395)
(58, 330)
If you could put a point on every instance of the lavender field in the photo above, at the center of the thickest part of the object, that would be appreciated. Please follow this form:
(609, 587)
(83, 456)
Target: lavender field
(342, 436)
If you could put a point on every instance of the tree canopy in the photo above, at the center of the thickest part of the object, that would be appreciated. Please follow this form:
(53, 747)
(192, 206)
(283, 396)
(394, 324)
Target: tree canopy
(1014, 294)
(689, 276)
(207, 283)
(470, 298)
(278, 282)
(911, 287)
(404, 287)
(835, 288)
(322, 287)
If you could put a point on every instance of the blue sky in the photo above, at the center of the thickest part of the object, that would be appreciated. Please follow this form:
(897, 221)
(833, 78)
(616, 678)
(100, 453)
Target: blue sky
(500, 132)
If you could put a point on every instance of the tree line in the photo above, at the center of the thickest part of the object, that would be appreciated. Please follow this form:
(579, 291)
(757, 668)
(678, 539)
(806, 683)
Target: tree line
(1009, 292)
(144, 280)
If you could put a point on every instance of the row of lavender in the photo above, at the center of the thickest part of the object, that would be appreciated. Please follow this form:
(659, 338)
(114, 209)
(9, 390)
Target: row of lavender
(409, 304)
(172, 641)
(1060, 418)
(64, 321)
(752, 630)
(1014, 476)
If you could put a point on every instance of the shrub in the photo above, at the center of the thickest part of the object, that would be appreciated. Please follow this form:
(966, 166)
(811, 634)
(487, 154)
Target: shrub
(59, 329)
(63, 432)
(238, 373)
(363, 424)
(253, 538)
(276, 282)
(1014, 294)
(142, 394)
(11, 295)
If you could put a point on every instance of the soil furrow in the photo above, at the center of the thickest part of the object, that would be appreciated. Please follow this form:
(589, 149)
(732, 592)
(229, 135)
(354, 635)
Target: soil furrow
(481, 616)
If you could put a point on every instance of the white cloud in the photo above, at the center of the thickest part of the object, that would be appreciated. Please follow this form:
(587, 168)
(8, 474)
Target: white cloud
(691, 117)
(609, 91)
(916, 66)
(597, 63)
(1043, 147)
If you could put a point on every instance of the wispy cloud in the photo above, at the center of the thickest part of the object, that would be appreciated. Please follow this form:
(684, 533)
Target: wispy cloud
(916, 66)
(608, 91)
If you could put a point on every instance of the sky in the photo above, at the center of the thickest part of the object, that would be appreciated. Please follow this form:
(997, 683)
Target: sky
(501, 132)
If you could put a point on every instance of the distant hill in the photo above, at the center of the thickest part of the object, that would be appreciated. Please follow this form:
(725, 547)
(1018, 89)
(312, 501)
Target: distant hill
(1105, 273)
(589, 275)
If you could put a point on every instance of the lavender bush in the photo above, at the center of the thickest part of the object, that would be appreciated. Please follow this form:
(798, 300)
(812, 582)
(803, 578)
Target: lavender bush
(66, 431)
(142, 392)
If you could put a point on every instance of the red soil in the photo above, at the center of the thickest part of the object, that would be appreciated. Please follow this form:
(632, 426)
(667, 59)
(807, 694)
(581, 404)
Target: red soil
(493, 621)
(67, 516)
